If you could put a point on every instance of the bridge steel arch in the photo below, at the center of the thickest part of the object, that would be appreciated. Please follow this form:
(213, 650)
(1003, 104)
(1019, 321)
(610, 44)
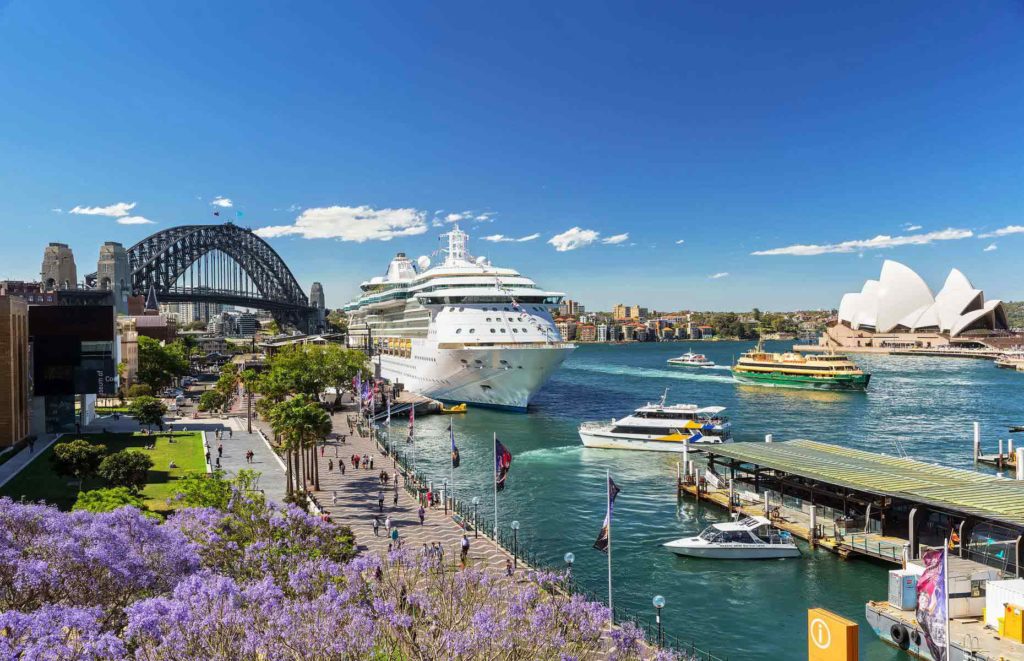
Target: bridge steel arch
(159, 260)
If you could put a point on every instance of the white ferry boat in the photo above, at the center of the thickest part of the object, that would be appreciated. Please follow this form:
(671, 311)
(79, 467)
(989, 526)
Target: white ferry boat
(752, 538)
(660, 427)
(462, 331)
(690, 359)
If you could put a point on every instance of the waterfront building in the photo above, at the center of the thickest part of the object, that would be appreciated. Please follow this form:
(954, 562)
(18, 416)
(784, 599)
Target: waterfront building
(586, 333)
(128, 338)
(899, 311)
(58, 270)
(73, 360)
(570, 308)
(602, 333)
(247, 324)
(15, 415)
(567, 329)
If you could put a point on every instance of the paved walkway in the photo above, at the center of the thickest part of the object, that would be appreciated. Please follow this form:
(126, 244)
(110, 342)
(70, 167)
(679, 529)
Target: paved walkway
(235, 444)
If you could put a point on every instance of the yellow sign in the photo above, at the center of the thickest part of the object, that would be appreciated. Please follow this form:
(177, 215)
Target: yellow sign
(831, 637)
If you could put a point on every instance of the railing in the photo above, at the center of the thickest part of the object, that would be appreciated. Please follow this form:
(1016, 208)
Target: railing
(473, 520)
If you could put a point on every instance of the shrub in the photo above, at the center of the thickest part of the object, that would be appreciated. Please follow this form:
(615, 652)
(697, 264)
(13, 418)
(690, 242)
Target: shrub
(127, 468)
(139, 390)
(78, 458)
(108, 500)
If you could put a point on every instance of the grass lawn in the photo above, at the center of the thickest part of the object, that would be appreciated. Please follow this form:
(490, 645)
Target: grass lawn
(104, 410)
(38, 481)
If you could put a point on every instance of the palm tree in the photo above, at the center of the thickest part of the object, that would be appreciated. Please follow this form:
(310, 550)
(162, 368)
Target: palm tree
(300, 422)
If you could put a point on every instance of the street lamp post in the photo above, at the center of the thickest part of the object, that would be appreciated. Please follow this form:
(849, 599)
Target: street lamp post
(476, 528)
(445, 496)
(570, 558)
(659, 603)
(515, 544)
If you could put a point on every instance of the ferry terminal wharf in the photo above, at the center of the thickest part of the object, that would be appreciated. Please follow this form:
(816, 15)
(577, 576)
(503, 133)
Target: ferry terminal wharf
(853, 502)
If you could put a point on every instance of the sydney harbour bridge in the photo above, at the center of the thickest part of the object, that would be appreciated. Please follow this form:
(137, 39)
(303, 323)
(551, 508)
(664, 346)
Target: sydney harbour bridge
(223, 264)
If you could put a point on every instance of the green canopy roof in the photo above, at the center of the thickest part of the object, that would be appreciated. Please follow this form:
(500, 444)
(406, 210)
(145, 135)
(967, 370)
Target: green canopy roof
(950, 489)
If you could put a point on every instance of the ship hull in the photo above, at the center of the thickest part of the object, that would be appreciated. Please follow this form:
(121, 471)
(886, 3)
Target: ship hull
(779, 380)
(593, 439)
(495, 377)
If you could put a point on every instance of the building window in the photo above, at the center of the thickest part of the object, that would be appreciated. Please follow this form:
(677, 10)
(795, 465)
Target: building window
(492, 330)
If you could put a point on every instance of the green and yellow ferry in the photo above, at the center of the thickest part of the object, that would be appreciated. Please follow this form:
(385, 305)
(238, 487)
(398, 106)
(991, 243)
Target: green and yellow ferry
(828, 371)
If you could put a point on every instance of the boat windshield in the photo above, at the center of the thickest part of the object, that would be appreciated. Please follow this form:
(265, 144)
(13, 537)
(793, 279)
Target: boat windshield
(716, 536)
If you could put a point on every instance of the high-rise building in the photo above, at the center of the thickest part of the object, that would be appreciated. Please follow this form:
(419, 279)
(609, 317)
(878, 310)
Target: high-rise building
(620, 311)
(129, 339)
(586, 333)
(567, 329)
(247, 324)
(602, 332)
(113, 273)
(15, 413)
(58, 270)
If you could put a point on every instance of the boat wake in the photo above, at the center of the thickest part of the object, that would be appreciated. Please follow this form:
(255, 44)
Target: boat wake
(651, 373)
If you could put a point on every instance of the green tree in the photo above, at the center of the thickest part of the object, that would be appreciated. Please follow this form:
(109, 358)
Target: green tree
(337, 321)
(160, 364)
(139, 390)
(108, 500)
(339, 366)
(215, 489)
(127, 468)
(300, 422)
(212, 400)
(78, 458)
(148, 411)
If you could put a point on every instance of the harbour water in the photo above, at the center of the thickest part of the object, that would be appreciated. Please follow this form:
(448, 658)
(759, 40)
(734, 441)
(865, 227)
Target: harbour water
(743, 610)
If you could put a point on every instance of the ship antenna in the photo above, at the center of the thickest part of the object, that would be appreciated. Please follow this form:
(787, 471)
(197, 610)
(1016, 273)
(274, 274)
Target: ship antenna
(664, 396)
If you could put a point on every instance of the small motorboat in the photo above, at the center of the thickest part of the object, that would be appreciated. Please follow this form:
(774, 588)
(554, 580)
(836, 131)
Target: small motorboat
(458, 408)
(690, 359)
(751, 538)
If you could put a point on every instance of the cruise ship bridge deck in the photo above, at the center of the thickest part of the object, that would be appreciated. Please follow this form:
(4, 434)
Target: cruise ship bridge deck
(892, 496)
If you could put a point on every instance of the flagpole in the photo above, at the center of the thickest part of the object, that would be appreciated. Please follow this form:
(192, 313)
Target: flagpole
(496, 488)
(452, 469)
(945, 590)
(608, 513)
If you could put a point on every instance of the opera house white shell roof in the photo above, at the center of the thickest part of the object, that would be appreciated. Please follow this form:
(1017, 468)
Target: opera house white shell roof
(900, 301)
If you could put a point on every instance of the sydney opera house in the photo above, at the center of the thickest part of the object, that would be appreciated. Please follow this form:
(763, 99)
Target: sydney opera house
(898, 311)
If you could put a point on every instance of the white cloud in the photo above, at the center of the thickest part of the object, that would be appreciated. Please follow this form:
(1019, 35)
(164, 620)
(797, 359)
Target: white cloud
(454, 217)
(501, 238)
(221, 201)
(357, 224)
(134, 220)
(572, 239)
(57, 210)
(293, 208)
(680, 242)
(618, 238)
(719, 276)
(485, 217)
(991, 247)
(1004, 231)
(111, 211)
(879, 242)
(911, 228)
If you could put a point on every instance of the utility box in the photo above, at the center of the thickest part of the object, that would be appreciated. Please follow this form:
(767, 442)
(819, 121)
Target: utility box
(999, 595)
(1013, 623)
(903, 589)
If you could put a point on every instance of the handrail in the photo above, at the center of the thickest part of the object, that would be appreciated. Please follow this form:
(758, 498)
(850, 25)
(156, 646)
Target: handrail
(478, 522)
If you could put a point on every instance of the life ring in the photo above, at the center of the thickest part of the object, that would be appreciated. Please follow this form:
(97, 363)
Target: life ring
(899, 635)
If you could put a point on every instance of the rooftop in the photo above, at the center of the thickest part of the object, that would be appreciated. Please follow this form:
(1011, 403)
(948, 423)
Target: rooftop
(949, 489)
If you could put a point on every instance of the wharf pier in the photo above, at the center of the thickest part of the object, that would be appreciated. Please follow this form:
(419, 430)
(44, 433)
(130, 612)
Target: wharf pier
(858, 503)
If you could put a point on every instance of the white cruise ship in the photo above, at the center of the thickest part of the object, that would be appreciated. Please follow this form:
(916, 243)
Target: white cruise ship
(462, 331)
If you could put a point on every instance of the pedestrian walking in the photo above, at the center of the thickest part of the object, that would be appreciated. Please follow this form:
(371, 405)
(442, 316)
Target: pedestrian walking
(387, 524)
(440, 552)
(376, 526)
(218, 462)
(422, 513)
(509, 570)
(341, 465)
(380, 500)
(464, 550)
(394, 537)
(396, 495)
(371, 462)
(322, 448)
(207, 456)
(230, 434)
(330, 465)
(220, 450)
(334, 497)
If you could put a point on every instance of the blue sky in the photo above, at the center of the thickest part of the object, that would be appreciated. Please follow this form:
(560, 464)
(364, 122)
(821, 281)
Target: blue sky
(736, 128)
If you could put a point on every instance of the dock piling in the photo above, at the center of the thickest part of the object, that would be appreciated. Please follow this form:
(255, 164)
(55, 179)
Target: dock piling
(813, 525)
(999, 458)
(767, 438)
(977, 441)
(1020, 463)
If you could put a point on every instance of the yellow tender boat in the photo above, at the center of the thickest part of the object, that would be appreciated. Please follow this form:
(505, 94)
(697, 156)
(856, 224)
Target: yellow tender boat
(458, 408)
